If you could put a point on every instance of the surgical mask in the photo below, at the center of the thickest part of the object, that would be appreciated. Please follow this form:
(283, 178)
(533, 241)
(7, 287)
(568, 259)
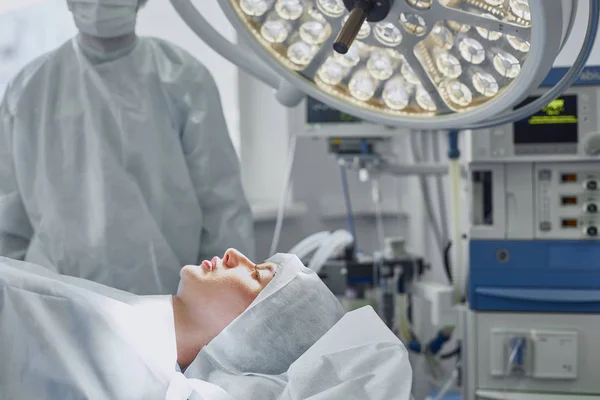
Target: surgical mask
(104, 18)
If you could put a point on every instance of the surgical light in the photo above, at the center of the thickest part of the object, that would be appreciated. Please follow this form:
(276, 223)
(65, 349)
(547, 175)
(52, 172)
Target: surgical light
(432, 64)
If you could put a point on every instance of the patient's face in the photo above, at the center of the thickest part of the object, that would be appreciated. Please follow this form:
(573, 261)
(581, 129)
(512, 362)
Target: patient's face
(221, 289)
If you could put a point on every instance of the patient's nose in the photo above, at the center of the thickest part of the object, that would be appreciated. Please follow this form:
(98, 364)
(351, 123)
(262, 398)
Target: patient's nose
(233, 258)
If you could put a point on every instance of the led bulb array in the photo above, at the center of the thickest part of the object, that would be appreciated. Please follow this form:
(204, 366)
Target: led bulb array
(405, 64)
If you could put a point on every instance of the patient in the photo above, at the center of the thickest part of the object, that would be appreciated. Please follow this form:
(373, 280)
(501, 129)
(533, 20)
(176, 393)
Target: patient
(212, 295)
(236, 329)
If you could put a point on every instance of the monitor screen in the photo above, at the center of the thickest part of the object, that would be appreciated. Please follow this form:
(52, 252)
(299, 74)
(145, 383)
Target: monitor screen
(320, 113)
(555, 123)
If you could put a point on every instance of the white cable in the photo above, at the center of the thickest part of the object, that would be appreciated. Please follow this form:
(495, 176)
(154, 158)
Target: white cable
(309, 244)
(459, 267)
(426, 195)
(435, 143)
(427, 198)
(376, 197)
(338, 240)
(284, 195)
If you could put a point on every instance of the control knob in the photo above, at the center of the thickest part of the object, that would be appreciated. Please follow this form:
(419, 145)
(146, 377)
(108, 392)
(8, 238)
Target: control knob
(591, 207)
(591, 184)
(591, 231)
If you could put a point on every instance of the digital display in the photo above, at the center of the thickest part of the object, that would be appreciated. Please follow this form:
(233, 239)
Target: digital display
(569, 200)
(320, 113)
(568, 178)
(569, 223)
(556, 123)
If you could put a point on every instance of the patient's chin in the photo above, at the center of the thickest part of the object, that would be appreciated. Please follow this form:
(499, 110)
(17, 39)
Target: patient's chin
(194, 272)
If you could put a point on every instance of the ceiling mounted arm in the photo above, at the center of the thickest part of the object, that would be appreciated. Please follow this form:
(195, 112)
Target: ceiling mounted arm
(240, 56)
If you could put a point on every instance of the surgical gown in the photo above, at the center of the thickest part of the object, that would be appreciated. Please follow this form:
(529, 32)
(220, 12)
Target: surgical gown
(118, 167)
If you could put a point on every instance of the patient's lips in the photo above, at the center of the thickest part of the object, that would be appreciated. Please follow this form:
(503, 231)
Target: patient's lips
(214, 262)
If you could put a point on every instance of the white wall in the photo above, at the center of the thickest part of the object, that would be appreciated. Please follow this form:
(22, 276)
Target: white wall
(159, 19)
(573, 44)
(13, 5)
(264, 140)
(29, 29)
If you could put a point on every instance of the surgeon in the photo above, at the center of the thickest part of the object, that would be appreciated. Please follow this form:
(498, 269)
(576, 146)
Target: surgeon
(238, 330)
(115, 161)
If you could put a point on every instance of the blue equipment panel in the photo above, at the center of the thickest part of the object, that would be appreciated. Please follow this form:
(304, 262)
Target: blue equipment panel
(534, 275)
(588, 77)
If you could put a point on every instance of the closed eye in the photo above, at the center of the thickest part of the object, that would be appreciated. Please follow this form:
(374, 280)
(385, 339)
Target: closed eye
(258, 274)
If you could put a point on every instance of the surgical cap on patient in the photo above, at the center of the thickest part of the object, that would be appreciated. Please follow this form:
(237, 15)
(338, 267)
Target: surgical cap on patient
(291, 313)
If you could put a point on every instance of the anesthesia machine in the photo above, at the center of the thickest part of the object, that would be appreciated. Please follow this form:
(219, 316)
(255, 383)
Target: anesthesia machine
(534, 303)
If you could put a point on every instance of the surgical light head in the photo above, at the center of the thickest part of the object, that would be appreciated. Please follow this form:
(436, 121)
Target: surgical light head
(420, 64)
(445, 59)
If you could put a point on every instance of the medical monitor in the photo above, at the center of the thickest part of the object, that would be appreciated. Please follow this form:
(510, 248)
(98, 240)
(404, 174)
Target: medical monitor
(555, 125)
(318, 112)
(558, 130)
(314, 118)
